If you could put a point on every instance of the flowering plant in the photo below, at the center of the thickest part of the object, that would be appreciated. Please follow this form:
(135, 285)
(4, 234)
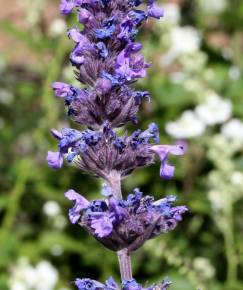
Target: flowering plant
(107, 60)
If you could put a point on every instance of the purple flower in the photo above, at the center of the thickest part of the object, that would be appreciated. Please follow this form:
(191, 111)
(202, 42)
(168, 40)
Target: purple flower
(81, 203)
(167, 170)
(102, 49)
(107, 30)
(86, 17)
(129, 64)
(103, 85)
(131, 285)
(75, 34)
(154, 10)
(54, 159)
(110, 284)
(66, 6)
(119, 224)
(88, 284)
(62, 90)
(102, 224)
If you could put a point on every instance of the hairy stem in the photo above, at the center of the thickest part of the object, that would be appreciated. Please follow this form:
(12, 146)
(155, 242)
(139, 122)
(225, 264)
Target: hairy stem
(123, 255)
(115, 184)
(124, 258)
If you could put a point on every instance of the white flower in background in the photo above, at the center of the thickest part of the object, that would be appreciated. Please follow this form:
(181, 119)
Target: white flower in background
(51, 208)
(172, 13)
(234, 73)
(57, 27)
(204, 267)
(212, 6)
(183, 40)
(237, 179)
(56, 250)
(46, 276)
(6, 97)
(233, 130)
(187, 126)
(216, 199)
(26, 277)
(215, 110)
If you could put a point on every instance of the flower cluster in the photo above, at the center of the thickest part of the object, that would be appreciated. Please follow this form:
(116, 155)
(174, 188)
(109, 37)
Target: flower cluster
(102, 152)
(107, 60)
(120, 224)
(110, 284)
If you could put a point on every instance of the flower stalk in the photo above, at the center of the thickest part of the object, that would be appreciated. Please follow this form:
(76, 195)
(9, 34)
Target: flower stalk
(124, 258)
(108, 61)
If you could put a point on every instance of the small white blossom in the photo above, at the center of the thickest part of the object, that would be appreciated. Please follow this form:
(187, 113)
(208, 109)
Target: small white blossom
(183, 40)
(233, 130)
(215, 110)
(172, 13)
(187, 126)
(46, 276)
(57, 27)
(51, 208)
(24, 276)
(234, 73)
(212, 6)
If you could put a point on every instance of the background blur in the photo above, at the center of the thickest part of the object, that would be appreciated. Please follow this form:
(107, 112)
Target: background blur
(197, 95)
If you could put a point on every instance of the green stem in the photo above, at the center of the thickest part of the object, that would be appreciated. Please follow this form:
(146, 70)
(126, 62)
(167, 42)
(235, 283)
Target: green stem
(230, 247)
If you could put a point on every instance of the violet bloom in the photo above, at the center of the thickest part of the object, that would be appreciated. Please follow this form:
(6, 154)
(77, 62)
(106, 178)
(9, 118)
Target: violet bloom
(163, 151)
(154, 10)
(101, 153)
(108, 61)
(119, 224)
(110, 284)
(54, 159)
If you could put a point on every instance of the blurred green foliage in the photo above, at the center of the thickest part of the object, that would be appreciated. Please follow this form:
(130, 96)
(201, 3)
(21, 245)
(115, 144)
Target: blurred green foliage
(206, 250)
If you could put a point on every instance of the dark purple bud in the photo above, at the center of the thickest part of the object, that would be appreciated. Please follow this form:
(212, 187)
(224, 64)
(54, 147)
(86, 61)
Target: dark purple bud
(137, 17)
(103, 85)
(107, 30)
(85, 16)
(102, 49)
(54, 159)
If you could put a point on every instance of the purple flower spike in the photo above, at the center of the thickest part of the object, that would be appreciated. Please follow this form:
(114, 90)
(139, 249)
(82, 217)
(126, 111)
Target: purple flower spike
(80, 204)
(54, 159)
(167, 170)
